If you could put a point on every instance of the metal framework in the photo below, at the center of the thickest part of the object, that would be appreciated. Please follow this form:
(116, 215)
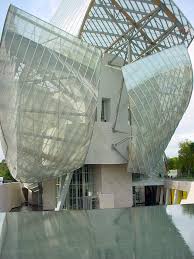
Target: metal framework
(135, 28)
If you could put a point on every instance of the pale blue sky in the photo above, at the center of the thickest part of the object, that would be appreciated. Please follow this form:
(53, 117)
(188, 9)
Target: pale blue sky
(46, 8)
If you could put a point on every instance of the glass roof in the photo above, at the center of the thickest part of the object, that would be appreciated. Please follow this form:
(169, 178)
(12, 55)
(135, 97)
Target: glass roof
(132, 29)
(144, 232)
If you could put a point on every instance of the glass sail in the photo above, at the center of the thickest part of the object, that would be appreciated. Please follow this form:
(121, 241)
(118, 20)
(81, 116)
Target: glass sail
(48, 97)
(159, 88)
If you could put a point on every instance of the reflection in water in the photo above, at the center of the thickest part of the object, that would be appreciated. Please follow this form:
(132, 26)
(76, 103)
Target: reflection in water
(188, 210)
(183, 219)
(2, 229)
(146, 232)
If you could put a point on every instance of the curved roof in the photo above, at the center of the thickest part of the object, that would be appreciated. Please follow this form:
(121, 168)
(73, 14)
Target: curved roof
(134, 28)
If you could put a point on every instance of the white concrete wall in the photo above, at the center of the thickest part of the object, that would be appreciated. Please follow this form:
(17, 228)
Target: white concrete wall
(101, 150)
(106, 200)
(11, 196)
(49, 194)
(113, 185)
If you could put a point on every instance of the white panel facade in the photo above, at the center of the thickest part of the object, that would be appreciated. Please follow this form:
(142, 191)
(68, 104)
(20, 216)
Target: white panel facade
(115, 130)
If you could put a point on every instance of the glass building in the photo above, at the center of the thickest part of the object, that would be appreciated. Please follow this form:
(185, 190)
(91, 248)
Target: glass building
(95, 107)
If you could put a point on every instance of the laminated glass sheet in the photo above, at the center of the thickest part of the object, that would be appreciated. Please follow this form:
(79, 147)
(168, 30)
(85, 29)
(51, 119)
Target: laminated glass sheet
(159, 88)
(144, 232)
(48, 97)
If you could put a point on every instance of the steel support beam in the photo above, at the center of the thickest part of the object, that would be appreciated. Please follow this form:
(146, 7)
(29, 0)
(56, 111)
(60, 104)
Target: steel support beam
(170, 14)
(64, 191)
(130, 19)
(146, 18)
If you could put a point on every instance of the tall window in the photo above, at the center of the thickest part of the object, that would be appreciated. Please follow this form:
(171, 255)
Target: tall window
(81, 193)
(105, 111)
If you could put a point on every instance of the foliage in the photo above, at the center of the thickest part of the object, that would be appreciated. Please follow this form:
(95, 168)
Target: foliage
(4, 171)
(184, 163)
(173, 163)
(186, 157)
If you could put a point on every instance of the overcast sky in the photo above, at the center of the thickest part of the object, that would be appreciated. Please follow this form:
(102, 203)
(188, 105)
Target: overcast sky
(46, 8)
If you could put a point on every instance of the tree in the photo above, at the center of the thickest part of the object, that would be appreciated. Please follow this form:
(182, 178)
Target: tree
(173, 163)
(4, 171)
(186, 157)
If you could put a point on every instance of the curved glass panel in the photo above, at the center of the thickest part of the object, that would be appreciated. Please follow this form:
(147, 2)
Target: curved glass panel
(159, 88)
(48, 97)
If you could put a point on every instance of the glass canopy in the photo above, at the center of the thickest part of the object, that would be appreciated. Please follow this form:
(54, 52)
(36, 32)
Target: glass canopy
(144, 232)
(48, 97)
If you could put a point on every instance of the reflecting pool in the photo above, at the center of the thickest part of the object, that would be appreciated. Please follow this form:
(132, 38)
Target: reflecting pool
(146, 232)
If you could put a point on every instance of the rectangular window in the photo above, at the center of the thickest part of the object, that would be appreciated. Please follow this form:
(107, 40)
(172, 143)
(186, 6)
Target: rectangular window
(96, 115)
(105, 110)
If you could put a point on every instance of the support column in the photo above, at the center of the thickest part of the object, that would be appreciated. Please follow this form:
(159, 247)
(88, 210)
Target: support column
(158, 194)
(167, 197)
(64, 191)
(176, 197)
(161, 195)
(49, 194)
